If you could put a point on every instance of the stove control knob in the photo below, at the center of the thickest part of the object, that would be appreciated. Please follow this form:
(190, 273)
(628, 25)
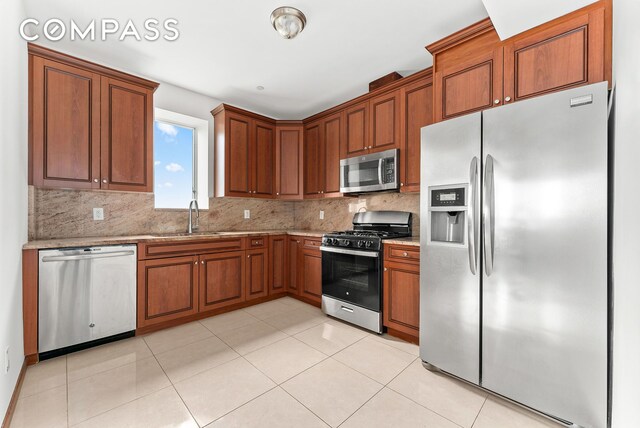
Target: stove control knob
(346, 242)
(328, 241)
(369, 244)
(360, 244)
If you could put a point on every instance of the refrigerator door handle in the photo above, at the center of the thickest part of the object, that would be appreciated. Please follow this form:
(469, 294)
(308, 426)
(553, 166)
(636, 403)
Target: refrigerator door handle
(471, 221)
(488, 216)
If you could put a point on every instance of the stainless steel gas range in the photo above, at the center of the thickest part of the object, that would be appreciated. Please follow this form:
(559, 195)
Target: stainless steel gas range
(352, 267)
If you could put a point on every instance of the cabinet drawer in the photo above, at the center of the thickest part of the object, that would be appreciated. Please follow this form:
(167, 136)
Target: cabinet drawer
(402, 253)
(256, 242)
(188, 247)
(312, 243)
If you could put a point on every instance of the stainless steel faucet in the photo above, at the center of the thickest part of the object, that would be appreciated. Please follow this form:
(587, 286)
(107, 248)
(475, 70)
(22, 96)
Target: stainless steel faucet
(192, 227)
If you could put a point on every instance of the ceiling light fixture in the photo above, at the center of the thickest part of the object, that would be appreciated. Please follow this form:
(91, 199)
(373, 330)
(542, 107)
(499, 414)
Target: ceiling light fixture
(288, 21)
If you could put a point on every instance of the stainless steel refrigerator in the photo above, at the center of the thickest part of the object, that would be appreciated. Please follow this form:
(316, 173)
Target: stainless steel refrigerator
(514, 276)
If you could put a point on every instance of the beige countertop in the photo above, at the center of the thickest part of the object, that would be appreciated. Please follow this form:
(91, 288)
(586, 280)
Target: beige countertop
(413, 241)
(160, 237)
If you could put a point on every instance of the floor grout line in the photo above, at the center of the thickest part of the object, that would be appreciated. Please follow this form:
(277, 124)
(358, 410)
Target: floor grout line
(479, 411)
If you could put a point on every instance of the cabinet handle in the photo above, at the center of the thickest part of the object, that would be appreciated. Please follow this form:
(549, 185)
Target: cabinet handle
(507, 99)
(104, 180)
(95, 180)
(496, 101)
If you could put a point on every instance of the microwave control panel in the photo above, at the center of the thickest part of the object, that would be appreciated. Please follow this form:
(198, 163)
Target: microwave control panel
(447, 197)
(389, 171)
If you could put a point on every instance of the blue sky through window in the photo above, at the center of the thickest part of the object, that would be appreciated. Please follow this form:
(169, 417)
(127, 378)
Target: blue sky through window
(173, 164)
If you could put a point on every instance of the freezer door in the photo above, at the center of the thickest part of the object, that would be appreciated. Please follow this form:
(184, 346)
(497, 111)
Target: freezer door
(449, 290)
(544, 329)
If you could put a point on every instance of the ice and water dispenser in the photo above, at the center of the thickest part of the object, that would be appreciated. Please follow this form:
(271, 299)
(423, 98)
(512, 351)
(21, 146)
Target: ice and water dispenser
(447, 214)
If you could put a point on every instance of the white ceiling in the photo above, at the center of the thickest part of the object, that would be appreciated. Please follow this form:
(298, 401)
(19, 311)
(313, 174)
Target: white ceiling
(227, 48)
(511, 17)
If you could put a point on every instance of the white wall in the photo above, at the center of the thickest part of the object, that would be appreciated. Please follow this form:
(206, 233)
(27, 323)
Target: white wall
(626, 235)
(180, 100)
(13, 193)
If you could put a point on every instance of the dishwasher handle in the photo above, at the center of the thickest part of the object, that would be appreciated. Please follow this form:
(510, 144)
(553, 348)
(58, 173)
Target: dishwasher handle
(46, 259)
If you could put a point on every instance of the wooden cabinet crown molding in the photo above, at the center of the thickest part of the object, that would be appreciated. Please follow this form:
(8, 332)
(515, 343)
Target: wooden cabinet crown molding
(52, 55)
(229, 108)
(461, 36)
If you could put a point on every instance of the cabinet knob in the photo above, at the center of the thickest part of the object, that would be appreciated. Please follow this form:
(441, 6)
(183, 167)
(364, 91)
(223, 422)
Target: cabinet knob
(202, 262)
(195, 263)
(385, 269)
(249, 256)
(322, 191)
(277, 193)
(370, 146)
(496, 101)
(297, 242)
(405, 254)
(401, 184)
(95, 180)
(104, 180)
(507, 99)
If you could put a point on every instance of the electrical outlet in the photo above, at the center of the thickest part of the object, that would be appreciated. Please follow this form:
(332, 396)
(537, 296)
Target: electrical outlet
(98, 213)
(321, 215)
(247, 214)
(7, 363)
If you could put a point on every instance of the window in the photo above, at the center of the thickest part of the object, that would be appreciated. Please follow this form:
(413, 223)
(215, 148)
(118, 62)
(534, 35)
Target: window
(180, 146)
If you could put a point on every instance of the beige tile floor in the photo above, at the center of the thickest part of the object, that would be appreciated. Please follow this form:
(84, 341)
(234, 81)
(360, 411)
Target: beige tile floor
(277, 364)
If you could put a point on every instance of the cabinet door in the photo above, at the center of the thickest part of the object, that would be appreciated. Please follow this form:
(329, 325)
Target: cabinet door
(310, 281)
(401, 304)
(385, 121)
(332, 136)
(289, 162)
(237, 151)
(127, 136)
(222, 279)
(416, 112)
(262, 159)
(293, 255)
(257, 277)
(65, 125)
(277, 264)
(357, 129)
(470, 86)
(312, 160)
(167, 289)
(558, 57)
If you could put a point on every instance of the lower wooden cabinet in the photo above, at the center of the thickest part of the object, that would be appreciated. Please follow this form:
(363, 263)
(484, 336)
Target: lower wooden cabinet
(278, 263)
(257, 274)
(310, 280)
(292, 265)
(222, 279)
(167, 289)
(401, 284)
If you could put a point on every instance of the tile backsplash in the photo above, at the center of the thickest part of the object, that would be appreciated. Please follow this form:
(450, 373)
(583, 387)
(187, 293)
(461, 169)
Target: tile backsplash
(68, 213)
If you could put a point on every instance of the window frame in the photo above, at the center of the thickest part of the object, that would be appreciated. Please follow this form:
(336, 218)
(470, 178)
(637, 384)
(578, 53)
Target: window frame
(200, 159)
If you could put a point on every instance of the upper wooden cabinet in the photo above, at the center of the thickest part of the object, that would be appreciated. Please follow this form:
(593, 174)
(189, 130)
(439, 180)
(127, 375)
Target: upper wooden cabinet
(474, 70)
(91, 127)
(245, 153)
(357, 129)
(289, 161)
(416, 112)
(323, 149)
(384, 121)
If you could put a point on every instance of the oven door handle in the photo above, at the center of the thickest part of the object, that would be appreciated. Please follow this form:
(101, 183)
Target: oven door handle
(372, 254)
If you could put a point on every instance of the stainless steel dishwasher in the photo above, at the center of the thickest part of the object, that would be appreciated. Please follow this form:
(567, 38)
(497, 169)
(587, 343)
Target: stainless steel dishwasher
(85, 294)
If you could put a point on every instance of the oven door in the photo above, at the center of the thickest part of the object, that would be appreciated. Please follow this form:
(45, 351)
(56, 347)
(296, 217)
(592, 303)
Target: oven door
(352, 276)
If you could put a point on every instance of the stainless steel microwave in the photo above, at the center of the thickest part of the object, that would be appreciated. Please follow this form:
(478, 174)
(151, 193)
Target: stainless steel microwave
(369, 173)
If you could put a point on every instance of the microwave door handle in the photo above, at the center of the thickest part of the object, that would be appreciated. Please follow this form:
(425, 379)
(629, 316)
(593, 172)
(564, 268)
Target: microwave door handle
(380, 166)
(471, 221)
